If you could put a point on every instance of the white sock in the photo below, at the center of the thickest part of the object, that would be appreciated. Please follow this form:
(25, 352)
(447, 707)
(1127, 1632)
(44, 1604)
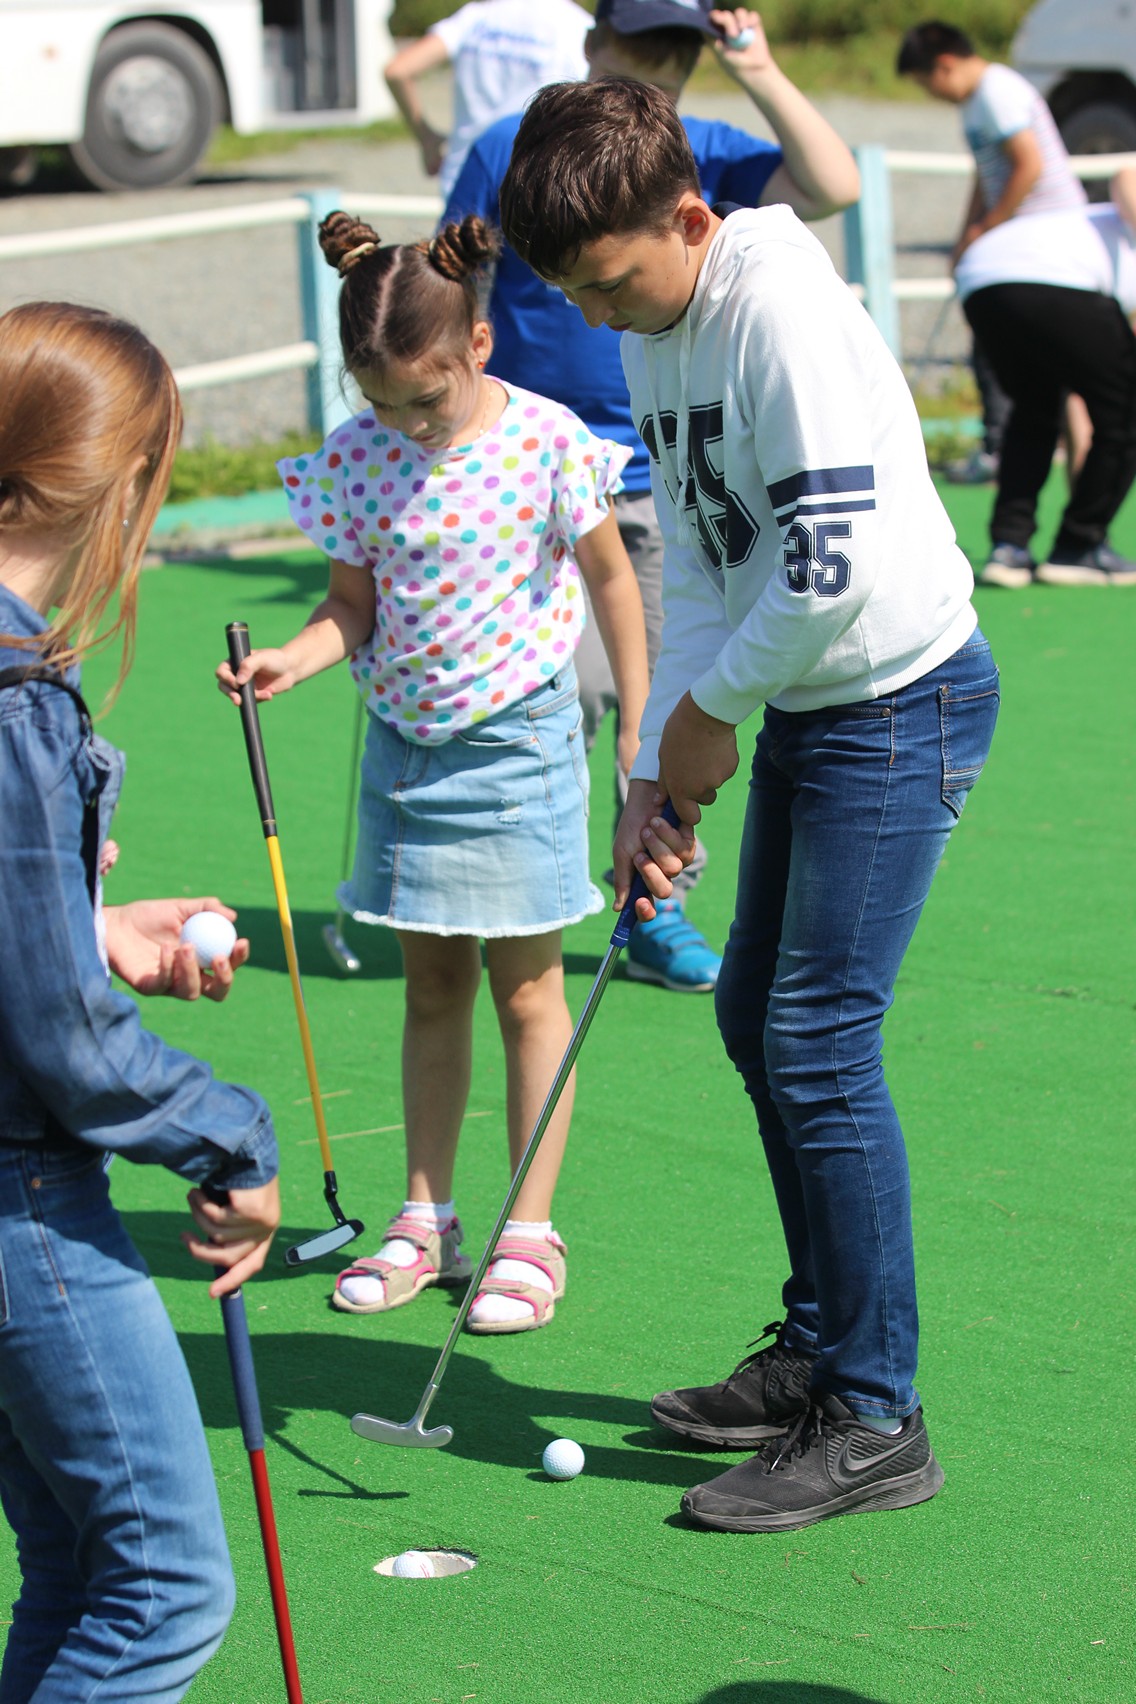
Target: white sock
(496, 1310)
(885, 1423)
(431, 1215)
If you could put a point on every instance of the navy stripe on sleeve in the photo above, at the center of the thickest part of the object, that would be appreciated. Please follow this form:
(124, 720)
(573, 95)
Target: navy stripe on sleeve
(822, 483)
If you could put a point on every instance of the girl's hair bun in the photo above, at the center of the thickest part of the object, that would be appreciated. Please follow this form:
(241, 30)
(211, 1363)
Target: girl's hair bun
(346, 241)
(458, 251)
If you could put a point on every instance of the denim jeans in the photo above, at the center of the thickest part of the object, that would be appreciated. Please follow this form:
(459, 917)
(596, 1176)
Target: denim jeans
(849, 811)
(104, 1471)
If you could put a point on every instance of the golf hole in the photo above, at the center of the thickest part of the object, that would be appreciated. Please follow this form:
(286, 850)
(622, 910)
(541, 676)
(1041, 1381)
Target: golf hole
(446, 1563)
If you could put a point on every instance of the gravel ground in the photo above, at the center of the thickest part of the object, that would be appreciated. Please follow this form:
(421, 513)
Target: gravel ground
(206, 298)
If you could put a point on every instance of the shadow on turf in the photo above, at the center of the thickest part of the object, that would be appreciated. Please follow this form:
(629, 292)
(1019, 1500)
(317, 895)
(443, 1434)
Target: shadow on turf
(782, 1692)
(344, 1364)
(377, 948)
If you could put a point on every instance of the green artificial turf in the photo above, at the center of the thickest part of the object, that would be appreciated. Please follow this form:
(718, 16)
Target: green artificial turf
(1010, 1053)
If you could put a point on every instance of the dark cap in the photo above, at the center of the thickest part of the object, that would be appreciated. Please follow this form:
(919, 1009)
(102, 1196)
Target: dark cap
(631, 17)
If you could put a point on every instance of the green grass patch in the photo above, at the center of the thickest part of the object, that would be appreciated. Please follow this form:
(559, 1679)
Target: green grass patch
(223, 470)
(227, 148)
(1010, 1053)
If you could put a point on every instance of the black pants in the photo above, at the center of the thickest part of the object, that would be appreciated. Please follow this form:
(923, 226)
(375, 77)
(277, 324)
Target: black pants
(1042, 341)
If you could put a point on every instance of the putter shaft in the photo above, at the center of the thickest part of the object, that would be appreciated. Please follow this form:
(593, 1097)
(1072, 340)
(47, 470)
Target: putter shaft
(387, 1431)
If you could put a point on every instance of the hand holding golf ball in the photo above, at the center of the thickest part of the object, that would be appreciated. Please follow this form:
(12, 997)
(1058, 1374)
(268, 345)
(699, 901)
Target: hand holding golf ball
(563, 1459)
(738, 44)
(210, 935)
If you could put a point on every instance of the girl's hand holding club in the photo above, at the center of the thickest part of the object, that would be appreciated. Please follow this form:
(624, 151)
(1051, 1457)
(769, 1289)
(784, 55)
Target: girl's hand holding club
(235, 1233)
(271, 671)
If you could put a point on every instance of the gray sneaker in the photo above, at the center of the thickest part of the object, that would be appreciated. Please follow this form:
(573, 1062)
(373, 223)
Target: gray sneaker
(1103, 566)
(978, 468)
(1008, 566)
(761, 1399)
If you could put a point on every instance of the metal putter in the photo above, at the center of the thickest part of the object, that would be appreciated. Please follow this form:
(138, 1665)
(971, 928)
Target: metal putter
(333, 936)
(412, 1432)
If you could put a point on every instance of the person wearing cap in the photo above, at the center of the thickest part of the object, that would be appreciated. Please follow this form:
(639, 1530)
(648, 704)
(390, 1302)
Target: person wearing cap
(502, 51)
(542, 343)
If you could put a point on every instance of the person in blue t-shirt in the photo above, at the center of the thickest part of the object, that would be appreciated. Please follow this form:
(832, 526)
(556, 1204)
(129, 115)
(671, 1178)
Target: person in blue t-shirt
(543, 343)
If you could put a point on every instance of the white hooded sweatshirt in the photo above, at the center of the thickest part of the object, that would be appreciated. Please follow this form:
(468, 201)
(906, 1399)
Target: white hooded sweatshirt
(808, 561)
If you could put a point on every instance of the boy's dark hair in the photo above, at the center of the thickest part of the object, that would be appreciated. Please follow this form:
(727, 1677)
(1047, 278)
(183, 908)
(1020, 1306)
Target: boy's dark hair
(404, 300)
(924, 43)
(670, 45)
(593, 160)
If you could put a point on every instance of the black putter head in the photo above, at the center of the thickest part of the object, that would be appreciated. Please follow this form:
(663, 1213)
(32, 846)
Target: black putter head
(325, 1243)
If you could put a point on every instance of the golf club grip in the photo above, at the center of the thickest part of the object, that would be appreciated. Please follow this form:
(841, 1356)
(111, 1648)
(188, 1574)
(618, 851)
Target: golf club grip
(237, 634)
(621, 934)
(244, 1374)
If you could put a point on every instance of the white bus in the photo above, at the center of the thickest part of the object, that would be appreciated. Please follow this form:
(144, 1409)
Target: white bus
(135, 88)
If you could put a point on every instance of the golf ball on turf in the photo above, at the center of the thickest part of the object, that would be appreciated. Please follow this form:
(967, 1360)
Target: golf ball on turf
(413, 1565)
(741, 41)
(210, 935)
(563, 1459)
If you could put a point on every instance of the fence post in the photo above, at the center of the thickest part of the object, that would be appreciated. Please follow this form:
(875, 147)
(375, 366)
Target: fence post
(869, 244)
(319, 299)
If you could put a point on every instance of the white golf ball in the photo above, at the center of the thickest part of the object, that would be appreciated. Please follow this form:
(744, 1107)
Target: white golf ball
(741, 41)
(412, 1565)
(210, 935)
(563, 1459)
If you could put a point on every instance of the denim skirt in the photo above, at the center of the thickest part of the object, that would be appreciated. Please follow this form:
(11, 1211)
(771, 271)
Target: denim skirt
(485, 834)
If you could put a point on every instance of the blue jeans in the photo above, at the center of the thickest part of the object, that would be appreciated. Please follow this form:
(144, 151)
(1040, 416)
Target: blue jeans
(104, 1470)
(849, 811)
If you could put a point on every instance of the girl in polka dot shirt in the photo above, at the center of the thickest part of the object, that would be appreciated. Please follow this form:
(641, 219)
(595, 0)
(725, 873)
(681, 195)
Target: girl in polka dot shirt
(457, 514)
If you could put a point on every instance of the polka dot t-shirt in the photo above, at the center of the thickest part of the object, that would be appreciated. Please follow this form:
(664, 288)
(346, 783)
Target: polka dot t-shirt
(477, 595)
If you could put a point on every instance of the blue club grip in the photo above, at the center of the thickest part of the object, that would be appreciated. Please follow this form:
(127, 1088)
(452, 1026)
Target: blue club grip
(244, 1374)
(626, 920)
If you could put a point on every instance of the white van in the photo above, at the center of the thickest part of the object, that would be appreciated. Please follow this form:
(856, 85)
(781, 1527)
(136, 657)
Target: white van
(1081, 54)
(135, 91)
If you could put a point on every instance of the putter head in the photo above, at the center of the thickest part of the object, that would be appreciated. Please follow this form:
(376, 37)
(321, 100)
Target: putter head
(341, 953)
(408, 1433)
(325, 1243)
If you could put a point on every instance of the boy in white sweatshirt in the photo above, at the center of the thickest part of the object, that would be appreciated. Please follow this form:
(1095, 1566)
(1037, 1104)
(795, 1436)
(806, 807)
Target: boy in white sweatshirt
(810, 568)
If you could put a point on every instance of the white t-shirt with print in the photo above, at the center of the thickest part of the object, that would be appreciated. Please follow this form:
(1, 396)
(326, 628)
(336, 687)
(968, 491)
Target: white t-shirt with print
(477, 595)
(502, 52)
(1002, 105)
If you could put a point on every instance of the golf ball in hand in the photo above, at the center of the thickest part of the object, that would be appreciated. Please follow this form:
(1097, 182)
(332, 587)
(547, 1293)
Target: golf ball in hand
(210, 935)
(413, 1565)
(741, 41)
(563, 1459)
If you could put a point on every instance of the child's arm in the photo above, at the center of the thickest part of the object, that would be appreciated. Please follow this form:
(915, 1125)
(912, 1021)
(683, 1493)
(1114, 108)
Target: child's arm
(336, 627)
(818, 174)
(1024, 154)
(429, 53)
(618, 609)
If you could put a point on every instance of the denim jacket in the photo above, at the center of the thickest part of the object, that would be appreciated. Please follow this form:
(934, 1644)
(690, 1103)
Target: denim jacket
(76, 1065)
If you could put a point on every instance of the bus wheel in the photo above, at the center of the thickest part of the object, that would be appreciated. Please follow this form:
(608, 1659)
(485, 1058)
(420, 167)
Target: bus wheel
(153, 103)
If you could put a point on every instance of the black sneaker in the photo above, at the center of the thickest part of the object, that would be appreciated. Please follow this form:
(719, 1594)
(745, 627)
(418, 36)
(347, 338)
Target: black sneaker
(762, 1397)
(1102, 566)
(830, 1464)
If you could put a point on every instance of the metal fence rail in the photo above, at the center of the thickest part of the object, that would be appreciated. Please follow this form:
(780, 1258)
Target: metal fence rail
(868, 237)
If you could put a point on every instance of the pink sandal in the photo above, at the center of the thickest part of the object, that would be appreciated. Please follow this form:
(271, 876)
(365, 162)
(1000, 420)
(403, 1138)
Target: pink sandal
(440, 1261)
(549, 1256)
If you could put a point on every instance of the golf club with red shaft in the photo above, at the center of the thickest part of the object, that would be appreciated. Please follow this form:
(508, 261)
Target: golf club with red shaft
(252, 1430)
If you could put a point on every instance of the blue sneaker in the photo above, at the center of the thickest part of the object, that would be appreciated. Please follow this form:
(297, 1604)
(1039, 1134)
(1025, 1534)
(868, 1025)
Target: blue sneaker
(671, 952)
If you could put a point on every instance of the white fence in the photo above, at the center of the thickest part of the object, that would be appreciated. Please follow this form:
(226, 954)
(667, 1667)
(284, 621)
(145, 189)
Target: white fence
(868, 236)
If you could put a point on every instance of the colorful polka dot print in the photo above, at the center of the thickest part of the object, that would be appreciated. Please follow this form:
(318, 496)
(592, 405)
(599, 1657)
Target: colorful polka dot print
(477, 595)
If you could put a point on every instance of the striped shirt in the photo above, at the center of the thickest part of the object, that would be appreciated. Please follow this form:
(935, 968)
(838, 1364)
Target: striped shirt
(1003, 105)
